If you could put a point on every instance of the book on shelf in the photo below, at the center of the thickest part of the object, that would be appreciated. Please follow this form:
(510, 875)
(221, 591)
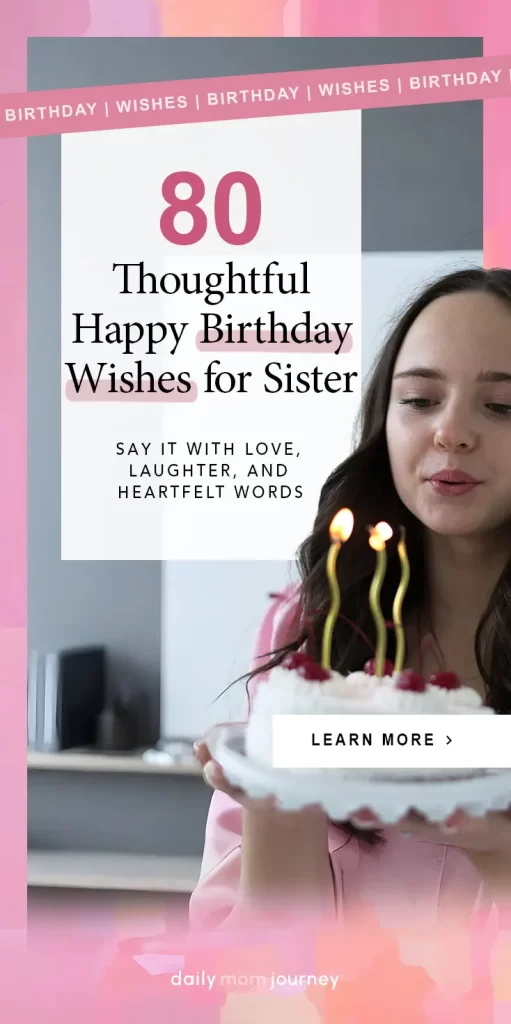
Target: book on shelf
(65, 697)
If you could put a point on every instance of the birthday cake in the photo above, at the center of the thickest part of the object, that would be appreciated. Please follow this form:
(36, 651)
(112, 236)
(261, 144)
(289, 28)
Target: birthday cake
(299, 686)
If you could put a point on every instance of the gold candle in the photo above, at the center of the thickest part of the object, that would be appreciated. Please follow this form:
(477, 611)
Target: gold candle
(379, 534)
(340, 530)
(398, 603)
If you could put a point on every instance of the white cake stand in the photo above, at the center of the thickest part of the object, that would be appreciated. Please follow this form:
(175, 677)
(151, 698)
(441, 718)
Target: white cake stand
(342, 796)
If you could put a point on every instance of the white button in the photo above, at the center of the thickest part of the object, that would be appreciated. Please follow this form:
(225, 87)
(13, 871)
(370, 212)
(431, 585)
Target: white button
(391, 741)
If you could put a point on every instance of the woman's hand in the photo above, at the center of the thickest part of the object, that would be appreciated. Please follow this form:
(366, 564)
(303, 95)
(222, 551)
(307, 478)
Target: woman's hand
(214, 777)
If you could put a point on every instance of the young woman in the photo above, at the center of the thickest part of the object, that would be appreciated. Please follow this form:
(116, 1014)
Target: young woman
(437, 410)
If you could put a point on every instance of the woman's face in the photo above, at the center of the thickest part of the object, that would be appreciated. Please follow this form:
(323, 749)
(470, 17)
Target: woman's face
(450, 410)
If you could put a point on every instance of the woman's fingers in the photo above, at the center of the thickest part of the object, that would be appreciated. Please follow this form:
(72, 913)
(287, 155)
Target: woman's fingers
(211, 770)
(214, 776)
(202, 752)
(201, 749)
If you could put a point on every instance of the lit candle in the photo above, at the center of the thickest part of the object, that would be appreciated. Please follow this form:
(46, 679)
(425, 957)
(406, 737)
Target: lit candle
(378, 535)
(398, 604)
(340, 530)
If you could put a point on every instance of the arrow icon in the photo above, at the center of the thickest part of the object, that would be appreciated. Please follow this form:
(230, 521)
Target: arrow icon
(449, 740)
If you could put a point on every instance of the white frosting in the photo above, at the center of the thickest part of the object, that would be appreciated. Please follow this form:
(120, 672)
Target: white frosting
(288, 693)
(463, 699)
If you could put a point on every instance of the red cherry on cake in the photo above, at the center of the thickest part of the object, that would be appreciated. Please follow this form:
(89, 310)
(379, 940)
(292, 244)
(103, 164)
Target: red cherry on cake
(410, 681)
(305, 667)
(445, 680)
(370, 668)
(295, 660)
(314, 672)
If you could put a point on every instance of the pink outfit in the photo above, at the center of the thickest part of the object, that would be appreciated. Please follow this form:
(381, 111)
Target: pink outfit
(408, 882)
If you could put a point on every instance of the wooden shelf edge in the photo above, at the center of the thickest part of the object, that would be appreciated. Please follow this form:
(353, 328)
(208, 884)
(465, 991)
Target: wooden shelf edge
(82, 761)
(112, 872)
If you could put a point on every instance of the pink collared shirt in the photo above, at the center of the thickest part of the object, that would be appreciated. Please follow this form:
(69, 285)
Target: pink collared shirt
(408, 882)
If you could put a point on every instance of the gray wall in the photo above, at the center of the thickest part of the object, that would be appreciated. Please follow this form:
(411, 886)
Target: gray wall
(413, 160)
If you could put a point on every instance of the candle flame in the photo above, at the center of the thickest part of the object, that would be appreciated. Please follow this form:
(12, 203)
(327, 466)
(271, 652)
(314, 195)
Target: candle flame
(342, 525)
(379, 534)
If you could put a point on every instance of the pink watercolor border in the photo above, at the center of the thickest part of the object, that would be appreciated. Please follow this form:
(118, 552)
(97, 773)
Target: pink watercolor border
(490, 19)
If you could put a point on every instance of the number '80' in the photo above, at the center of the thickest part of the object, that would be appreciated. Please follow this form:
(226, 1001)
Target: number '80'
(221, 208)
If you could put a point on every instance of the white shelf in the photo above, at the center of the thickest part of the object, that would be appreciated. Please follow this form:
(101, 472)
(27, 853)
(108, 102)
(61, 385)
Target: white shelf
(64, 869)
(83, 761)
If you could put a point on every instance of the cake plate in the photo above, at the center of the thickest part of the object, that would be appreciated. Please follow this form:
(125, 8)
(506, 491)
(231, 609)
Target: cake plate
(342, 792)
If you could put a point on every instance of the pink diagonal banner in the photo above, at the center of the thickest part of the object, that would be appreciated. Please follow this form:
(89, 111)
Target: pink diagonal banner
(101, 108)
